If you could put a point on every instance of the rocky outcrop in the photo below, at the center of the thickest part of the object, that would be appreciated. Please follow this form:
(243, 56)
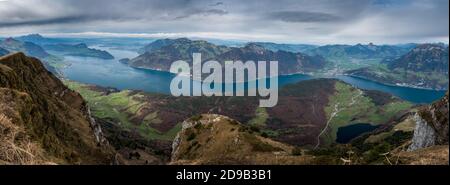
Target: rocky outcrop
(424, 135)
(187, 124)
(98, 133)
(431, 125)
(437, 116)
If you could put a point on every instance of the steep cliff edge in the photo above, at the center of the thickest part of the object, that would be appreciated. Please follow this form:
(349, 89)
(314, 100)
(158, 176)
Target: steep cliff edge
(42, 121)
(431, 125)
(429, 145)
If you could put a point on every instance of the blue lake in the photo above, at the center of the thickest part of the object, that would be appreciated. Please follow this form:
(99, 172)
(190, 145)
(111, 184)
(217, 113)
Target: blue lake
(112, 73)
(347, 133)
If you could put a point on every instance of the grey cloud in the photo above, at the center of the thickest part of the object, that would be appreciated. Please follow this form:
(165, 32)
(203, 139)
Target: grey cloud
(324, 20)
(303, 16)
(85, 11)
(207, 12)
(58, 20)
(216, 4)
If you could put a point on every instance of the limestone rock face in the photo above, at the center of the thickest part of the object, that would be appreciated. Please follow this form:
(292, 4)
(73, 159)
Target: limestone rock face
(431, 125)
(424, 135)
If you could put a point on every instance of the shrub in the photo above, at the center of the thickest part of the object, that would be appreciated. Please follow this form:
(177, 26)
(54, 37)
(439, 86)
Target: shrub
(375, 153)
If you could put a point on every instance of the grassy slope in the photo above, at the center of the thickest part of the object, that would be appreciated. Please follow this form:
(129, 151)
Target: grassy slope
(353, 107)
(407, 125)
(121, 106)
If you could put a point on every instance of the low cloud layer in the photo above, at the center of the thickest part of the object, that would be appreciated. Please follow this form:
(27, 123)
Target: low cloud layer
(296, 21)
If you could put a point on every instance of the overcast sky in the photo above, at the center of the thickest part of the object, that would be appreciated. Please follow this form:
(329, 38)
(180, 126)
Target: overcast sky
(288, 21)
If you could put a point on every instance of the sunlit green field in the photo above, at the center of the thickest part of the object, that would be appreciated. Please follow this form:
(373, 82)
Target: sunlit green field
(350, 106)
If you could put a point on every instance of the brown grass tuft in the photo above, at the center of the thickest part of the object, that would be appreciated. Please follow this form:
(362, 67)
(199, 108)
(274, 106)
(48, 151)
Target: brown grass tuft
(15, 147)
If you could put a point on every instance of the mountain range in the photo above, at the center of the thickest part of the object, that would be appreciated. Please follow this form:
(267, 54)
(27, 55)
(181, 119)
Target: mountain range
(294, 48)
(39, 39)
(160, 54)
(158, 44)
(28, 48)
(163, 52)
(288, 62)
(81, 50)
(425, 66)
(390, 64)
(51, 62)
(359, 51)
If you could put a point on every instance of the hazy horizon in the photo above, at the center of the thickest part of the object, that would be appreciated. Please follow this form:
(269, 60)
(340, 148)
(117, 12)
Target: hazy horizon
(145, 36)
(318, 22)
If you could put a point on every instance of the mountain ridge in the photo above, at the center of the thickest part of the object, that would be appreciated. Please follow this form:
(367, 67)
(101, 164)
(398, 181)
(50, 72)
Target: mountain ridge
(166, 51)
(81, 50)
(27, 47)
(50, 61)
(51, 117)
(216, 139)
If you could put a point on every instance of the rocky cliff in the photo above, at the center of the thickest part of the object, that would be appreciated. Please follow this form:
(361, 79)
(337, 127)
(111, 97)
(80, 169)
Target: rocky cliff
(431, 125)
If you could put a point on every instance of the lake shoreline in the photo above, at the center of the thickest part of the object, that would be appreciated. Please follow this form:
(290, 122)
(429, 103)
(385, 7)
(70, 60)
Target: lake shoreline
(395, 85)
(317, 76)
(113, 73)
